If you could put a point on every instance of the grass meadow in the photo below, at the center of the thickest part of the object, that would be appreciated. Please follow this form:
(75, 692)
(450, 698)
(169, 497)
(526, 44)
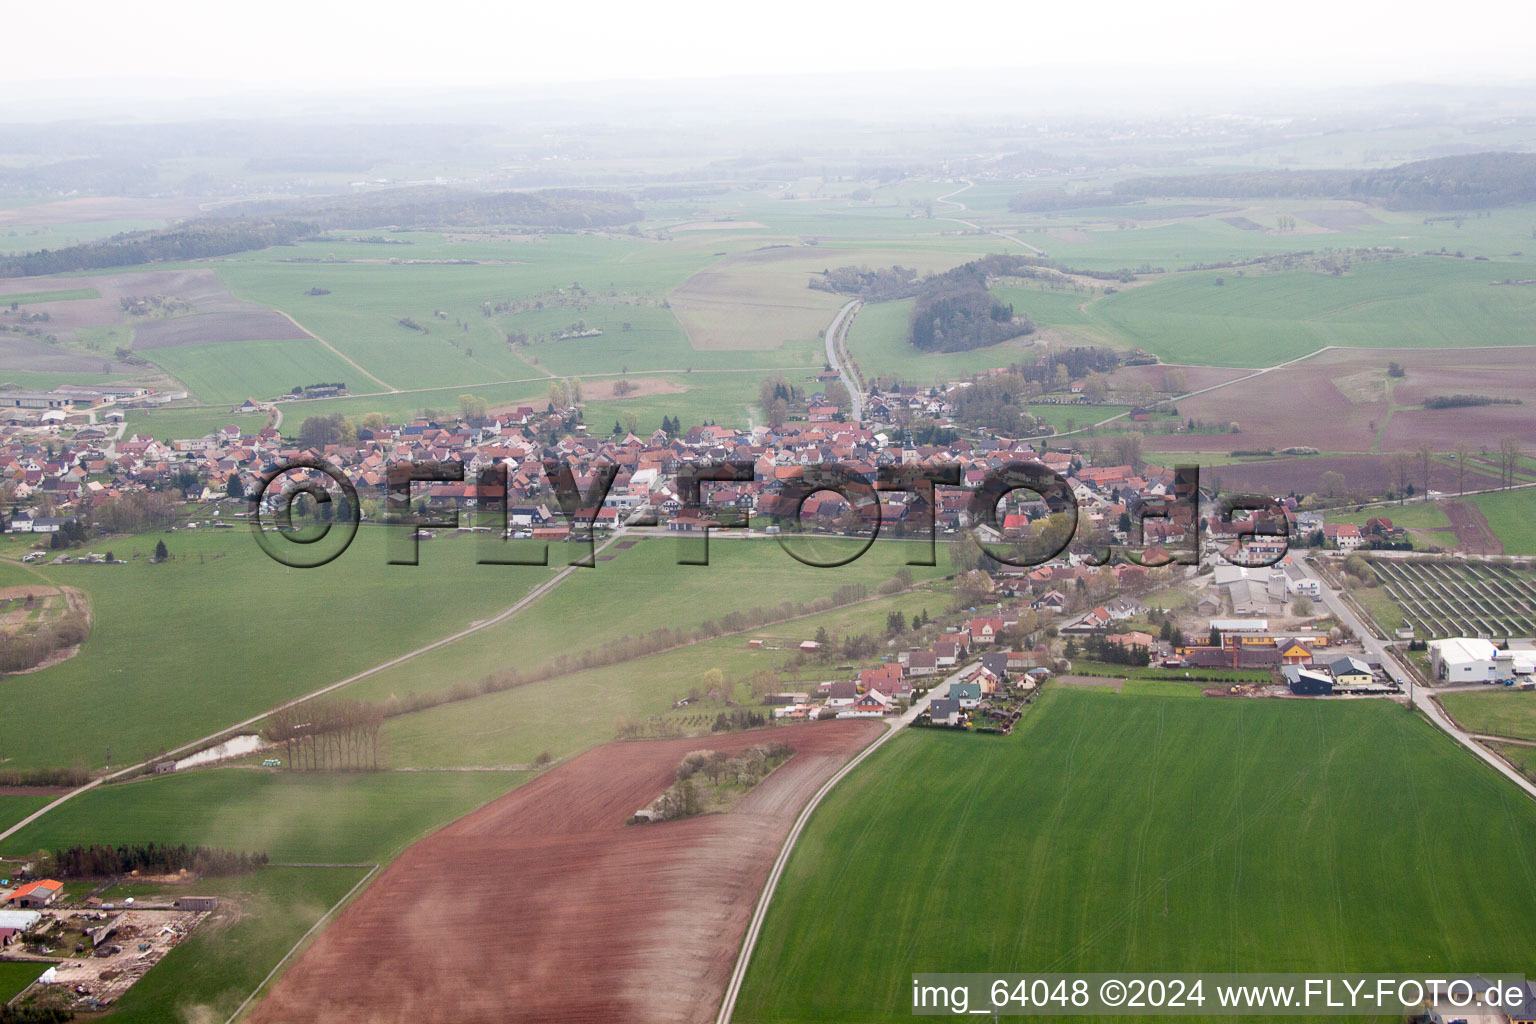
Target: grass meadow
(1496, 711)
(1125, 832)
(296, 817)
(15, 976)
(208, 976)
(1263, 319)
(1512, 517)
(221, 632)
(229, 372)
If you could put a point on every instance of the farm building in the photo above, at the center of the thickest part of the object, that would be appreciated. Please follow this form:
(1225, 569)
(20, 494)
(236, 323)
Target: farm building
(15, 922)
(36, 894)
(1307, 683)
(198, 903)
(1463, 660)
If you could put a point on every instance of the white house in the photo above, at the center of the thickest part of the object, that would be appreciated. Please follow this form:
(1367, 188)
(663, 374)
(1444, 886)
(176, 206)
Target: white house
(1464, 660)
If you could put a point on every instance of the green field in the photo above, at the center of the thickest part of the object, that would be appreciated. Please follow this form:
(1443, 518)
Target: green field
(221, 632)
(173, 424)
(1263, 319)
(1148, 834)
(1512, 517)
(1496, 711)
(301, 817)
(13, 808)
(61, 295)
(229, 372)
(636, 591)
(16, 976)
(209, 975)
(1521, 756)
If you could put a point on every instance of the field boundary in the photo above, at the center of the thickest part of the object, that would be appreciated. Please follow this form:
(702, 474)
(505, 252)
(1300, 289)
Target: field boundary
(372, 869)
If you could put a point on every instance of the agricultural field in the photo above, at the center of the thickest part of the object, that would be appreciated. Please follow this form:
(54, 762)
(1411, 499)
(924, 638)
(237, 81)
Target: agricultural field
(1264, 793)
(130, 688)
(15, 806)
(228, 372)
(171, 424)
(1511, 515)
(1264, 319)
(16, 976)
(1496, 711)
(261, 917)
(293, 816)
(1441, 599)
(1523, 757)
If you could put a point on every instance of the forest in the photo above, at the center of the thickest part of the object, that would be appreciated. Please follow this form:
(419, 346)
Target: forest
(1476, 181)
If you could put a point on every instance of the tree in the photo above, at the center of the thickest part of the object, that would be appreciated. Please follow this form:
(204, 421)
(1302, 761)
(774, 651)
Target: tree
(1401, 464)
(1426, 457)
(319, 431)
(895, 623)
(161, 553)
(1509, 459)
(1332, 482)
(1463, 452)
(1095, 389)
(472, 408)
(1302, 606)
(373, 421)
(1126, 450)
(233, 487)
(631, 422)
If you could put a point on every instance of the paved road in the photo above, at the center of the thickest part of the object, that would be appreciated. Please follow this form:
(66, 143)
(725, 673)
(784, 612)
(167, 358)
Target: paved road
(849, 381)
(744, 957)
(1423, 697)
(475, 627)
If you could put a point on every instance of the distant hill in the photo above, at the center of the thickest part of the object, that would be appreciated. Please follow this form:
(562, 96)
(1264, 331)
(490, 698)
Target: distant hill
(1473, 182)
(432, 207)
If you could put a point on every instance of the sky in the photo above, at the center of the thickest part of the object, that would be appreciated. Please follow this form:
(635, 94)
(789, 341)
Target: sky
(290, 46)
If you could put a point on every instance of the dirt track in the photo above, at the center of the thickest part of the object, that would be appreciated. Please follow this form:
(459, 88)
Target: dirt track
(545, 906)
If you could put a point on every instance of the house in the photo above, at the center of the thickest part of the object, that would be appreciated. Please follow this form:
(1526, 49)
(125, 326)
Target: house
(944, 711)
(1344, 536)
(984, 631)
(1293, 652)
(922, 663)
(1348, 671)
(842, 695)
(35, 895)
(872, 703)
(1307, 683)
(968, 694)
(1463, 660)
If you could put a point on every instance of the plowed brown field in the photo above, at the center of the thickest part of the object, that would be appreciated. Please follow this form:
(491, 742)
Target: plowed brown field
(544, 906)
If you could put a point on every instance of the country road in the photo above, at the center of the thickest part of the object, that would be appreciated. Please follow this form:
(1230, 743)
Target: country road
(760, 913)
(475, 627)
(834, 338)
(970, 224)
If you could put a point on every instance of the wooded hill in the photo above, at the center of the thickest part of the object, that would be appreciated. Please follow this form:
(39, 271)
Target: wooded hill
(1476, 181)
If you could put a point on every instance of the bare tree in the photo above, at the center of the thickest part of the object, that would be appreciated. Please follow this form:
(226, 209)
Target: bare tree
(1426, 457)
(1463, 451)
(1509, 459)
(1401, 464)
